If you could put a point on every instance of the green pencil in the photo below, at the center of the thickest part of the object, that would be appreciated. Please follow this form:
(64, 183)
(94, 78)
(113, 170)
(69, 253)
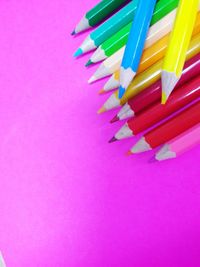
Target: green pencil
(98, 13)
(108, 28)
(119, 39)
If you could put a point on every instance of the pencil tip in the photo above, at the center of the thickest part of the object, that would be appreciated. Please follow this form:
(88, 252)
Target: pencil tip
(116, 118)
(102, 91)
(121, 92)
(113, 139)
(164, 98)
(89, 63)
(73, 33)
(128, 153)
(92, 79)
(101, 110)
(78, 52)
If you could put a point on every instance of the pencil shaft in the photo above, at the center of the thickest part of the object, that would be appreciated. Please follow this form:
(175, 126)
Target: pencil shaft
(147, 78)
(180, 98)
(150, 55)
(180, 36)
(174, 126)
(152, 74)
(186, 141)
(119, 39)
(103, 10)
(152, 94)
(180, 144)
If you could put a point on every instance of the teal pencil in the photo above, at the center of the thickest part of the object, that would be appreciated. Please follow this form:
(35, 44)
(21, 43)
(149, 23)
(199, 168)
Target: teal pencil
(108, 28)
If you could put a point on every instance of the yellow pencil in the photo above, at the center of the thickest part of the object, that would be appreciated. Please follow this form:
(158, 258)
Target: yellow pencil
(178, 45)
(146, 78)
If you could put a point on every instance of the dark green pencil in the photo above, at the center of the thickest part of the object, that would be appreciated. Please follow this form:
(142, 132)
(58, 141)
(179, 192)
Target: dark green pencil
(98, 13)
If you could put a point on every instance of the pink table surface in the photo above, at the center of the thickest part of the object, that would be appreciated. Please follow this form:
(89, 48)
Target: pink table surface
(67, 197)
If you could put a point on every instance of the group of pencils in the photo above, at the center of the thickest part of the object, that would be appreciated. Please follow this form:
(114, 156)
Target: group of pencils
(151, 50)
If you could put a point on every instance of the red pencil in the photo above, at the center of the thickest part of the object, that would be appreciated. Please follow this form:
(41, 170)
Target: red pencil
(157, 112)
(153, 93)
(169, 129)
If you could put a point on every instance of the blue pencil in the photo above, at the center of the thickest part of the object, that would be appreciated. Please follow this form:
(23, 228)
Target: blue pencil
(135, 43)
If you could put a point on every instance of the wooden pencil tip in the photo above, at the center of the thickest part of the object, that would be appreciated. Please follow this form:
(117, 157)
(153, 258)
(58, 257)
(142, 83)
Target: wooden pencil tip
(116, 118)
(101, 110)
(113, 139)
(92, 79)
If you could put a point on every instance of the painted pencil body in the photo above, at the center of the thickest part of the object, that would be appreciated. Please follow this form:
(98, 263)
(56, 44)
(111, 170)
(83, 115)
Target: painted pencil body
(179, 145)
(156, 113)
(149, 96)
(169, 129)
(119, 39)
(178, 44)
(155, 34)
(149, 57)
(135, 44)
(98, 13)
(147, 78)
(108, 28)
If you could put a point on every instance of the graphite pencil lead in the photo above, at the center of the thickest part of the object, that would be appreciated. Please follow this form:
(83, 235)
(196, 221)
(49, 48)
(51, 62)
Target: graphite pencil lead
(128, 153)
(73, 32)
(78, 52)
(114, 119)
(113, 139)
(88, 63)
(101, 92)
(101, 110)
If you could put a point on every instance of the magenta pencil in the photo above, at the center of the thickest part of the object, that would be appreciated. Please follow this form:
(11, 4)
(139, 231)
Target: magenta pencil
(180, 144)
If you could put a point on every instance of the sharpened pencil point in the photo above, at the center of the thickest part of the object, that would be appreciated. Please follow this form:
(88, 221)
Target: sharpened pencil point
(116, 118)
(101, 110)
(78, 52)
(164, 98)
(73, 33)
(92, 79)
(102, 91)
(121, 92)
(88, 63)
(128, 153)
(113, 139)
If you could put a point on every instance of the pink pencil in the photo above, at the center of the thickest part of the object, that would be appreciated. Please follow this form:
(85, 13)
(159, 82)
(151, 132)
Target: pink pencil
(180, 144)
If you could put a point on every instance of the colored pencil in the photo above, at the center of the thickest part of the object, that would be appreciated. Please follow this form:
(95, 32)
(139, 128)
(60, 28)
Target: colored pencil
(155, 52)
(135, 44)
(179, 145)
(98, 13)
(146, 78)
(149, 96)
(108, 28)
(157, 112)
(156, 32)
(178, 44)
(119, 39)
(169, 129)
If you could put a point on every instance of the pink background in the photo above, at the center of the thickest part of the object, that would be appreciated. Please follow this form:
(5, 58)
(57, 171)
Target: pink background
(67, 197)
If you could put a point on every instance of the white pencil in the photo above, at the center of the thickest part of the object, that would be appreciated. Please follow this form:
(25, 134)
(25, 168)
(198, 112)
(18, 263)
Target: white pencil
(156, 32)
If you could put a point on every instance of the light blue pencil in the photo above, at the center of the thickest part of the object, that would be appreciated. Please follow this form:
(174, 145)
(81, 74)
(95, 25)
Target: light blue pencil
(135, 43)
